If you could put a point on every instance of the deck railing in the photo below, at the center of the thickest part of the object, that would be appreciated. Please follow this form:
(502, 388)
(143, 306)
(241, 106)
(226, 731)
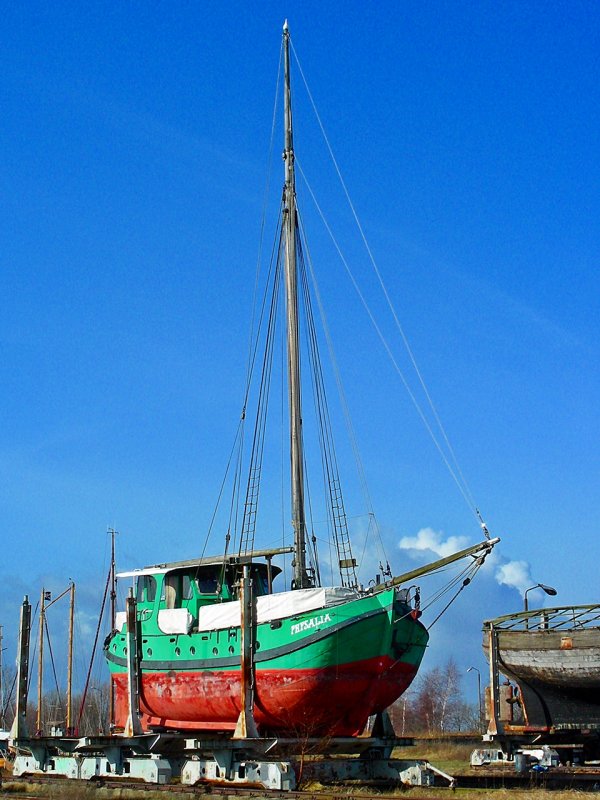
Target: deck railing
(549, 619)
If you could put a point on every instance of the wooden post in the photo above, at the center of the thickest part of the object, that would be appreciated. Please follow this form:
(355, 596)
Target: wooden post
(133, 726)
(246, 725)
(19, 727)
(495, 724)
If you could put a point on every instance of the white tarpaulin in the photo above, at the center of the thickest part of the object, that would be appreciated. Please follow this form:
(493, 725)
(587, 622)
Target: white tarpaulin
(274, 606)
(175, 620)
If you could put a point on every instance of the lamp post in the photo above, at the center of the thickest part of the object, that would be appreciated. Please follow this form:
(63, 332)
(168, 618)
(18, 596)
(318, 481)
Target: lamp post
(549, 591)
(474, 669)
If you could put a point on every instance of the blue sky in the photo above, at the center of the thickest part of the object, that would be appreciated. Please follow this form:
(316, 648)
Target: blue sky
(135, 142)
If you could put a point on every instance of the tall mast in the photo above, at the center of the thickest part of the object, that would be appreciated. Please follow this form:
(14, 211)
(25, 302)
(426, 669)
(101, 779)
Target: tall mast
(301, 577)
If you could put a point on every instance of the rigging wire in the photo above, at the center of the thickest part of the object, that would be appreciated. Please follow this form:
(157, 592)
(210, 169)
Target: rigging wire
(387, 347)
(343, 399)
(264, 209)
(282, 451)
(337, 513)
(456, 473)
(254, 472)
(239, 436)
(58, 695)
(89, 673)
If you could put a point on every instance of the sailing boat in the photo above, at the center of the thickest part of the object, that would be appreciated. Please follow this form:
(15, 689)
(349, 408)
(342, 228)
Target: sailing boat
(324, 659)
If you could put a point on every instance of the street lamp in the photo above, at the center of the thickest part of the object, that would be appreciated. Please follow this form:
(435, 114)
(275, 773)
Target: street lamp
(474, 669)
(548, 589)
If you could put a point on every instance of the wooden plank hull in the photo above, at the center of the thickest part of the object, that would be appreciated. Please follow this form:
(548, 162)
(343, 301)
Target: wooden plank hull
(555, 665)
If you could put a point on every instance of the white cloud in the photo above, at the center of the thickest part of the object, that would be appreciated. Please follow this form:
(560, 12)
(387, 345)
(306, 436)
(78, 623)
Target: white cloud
(428, 539)
(515, 574)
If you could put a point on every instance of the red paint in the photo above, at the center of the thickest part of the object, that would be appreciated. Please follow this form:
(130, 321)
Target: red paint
(336, 701)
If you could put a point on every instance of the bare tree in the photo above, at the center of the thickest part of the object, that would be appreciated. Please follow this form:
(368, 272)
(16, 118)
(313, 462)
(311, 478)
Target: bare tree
(95, 716)
(434, 705)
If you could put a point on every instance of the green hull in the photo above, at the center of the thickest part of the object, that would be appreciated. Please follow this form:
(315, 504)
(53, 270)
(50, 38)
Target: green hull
(330, 668)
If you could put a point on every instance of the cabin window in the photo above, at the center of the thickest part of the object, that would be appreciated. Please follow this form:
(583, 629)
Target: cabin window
(188, 589)
(261, 583)
(171, 585)
(146, 589)
(207, 581)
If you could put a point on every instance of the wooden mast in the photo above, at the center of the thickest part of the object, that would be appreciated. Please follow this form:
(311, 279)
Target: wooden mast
(301, 578)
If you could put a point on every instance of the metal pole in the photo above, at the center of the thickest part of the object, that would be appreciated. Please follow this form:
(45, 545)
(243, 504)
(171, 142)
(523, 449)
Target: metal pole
(113, 609)
(40, 663)
(474, 669)
(70, 663)
(479, 700)
(301, 578)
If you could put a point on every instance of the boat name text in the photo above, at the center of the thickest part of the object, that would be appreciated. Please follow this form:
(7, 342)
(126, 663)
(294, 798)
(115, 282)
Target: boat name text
(306, 624)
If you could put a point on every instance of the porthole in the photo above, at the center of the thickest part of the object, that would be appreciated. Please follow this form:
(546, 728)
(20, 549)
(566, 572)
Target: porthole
(192, 651)
(177, 651)
(215, 651)
(149, 651)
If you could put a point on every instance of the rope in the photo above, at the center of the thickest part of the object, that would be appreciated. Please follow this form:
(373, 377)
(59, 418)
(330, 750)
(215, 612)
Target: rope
(474, 569)
(345, 407)
(89, 673)
(337, 513)
(52, 661)
(386, 345)
(9, 698)
(465, 583)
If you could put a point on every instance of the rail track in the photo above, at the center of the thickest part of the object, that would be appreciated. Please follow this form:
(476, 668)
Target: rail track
(24, 788)
(37, 786)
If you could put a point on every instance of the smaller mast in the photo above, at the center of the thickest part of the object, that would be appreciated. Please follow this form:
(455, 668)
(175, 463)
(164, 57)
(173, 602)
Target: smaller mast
(113, 610)
(69, 720)
(41, 660)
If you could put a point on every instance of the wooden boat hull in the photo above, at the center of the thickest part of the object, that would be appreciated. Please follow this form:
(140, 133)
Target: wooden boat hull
(556, 666)
(321, 673)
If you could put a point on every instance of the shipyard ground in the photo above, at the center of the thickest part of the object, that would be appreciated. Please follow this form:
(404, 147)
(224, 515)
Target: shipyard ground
(452, 757)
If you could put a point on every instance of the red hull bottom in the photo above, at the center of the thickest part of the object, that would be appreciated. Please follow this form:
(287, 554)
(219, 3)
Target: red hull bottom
(335, 701)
